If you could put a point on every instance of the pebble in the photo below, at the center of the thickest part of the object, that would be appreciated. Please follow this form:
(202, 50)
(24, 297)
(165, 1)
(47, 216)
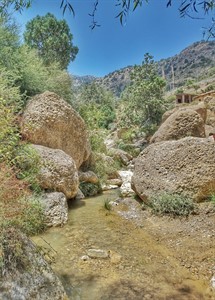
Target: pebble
(213, 282)
(85, 257)
(98, 253)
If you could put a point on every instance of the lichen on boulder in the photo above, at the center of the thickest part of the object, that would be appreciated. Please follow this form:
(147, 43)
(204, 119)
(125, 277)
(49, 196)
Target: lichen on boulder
(183, 167)
(24, 273)
(50, 121)
(180, 124)
(57, 172)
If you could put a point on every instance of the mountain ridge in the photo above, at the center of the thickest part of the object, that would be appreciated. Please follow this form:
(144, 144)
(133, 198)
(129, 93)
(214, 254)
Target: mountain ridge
(193, 63)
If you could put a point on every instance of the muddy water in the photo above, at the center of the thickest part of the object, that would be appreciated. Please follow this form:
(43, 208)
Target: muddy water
(139, 267)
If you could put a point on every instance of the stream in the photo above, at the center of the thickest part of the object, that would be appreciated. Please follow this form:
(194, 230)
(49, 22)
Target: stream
(137, 267)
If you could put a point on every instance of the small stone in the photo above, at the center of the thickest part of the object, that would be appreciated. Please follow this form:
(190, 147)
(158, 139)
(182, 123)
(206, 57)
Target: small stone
(213, 282)
(98, 253)
(115, 258)
(85, 257)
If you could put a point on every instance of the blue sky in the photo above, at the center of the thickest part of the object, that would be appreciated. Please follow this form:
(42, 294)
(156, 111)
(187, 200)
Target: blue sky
(152, 28)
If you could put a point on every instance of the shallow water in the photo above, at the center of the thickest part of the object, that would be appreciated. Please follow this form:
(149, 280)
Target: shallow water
(139, 267)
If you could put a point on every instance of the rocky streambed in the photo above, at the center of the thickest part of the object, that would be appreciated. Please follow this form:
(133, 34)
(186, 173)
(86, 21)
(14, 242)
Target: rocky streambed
(127, 253)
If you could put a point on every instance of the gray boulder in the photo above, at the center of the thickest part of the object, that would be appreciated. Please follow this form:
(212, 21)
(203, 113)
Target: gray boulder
(184, 166)
(55, 209)
(50, 121)
(25, 274)
(58, 171)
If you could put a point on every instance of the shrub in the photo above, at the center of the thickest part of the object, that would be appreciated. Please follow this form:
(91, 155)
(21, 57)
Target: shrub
(32, 219)
(129, 148)
(17, 207)
(97, 141)
(27, 162)
(173, 204)
(10, 102)
(212, 198)
(104, 167)
(107, 204)
(90, 189)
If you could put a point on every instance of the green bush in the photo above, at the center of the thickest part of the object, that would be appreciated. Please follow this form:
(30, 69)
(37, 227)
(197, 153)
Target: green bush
(27, 162)
(90, 189)
(104, 167)
(26, 69)
(96, 106)
(129, 148)
(97, 141)
(212, 198)
(32, 219)
(173, 204)
(107, 204)
(10, 100)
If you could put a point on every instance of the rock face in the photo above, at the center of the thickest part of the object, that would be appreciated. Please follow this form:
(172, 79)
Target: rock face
(55, 209)
(180, 124)
(185, 166)
(125, 189)
(58, 171)
(210, 104)
(50, 121)
(27, 275)
(88, 176)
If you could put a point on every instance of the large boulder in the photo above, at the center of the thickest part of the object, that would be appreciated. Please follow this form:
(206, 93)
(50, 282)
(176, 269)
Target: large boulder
(185, 166)
(88, 176)
(200, 108)
(180, 124)
(55, 209)
(50, 121)
(25, 274)
(210, 104)
(58, 171)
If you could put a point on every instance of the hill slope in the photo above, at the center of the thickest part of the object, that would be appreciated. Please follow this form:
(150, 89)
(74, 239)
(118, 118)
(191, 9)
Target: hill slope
(195, 62)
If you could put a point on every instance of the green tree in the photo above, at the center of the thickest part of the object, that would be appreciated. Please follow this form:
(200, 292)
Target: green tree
(52, 39)
(96, 106)
(142, 104)
(26, 69)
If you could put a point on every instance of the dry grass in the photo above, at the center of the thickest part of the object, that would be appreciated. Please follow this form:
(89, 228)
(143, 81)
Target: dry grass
(12, 190)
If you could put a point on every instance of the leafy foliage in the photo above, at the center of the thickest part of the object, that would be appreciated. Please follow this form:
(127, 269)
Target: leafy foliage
(17, 207)
(52, 39)
(176, 205)
(107, 204)
(26, 70)
(190, 8)
(27, 162)
(96, 106)
(90, 189)
(142, 104)
(9, 103)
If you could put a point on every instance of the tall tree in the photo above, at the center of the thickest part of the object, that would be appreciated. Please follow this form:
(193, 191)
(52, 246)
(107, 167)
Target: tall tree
(97, 106)
(52, 39)
(142, 103)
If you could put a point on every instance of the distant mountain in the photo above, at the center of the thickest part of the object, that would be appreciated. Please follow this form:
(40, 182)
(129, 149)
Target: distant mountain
(81, 80)
(116, 81)
(195, 62)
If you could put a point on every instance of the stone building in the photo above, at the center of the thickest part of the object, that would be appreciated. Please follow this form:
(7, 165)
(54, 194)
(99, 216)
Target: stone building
(184, 98)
